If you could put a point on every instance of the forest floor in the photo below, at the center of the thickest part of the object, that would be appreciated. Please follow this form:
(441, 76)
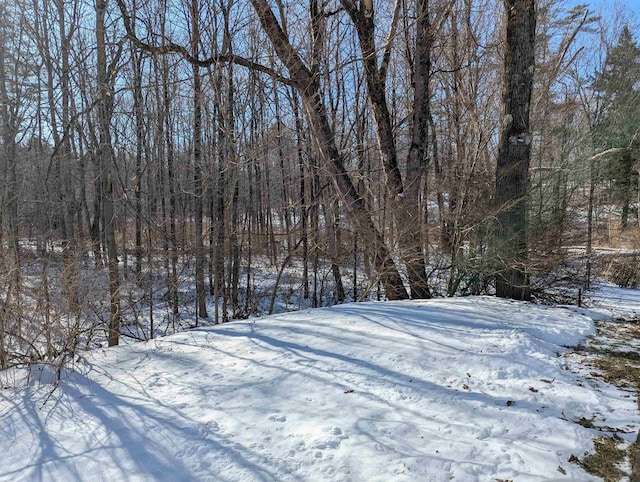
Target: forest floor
(468, 389)
(613, 356)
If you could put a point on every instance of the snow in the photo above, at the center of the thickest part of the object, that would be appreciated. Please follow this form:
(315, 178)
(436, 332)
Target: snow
(467, 389)
(612, 302)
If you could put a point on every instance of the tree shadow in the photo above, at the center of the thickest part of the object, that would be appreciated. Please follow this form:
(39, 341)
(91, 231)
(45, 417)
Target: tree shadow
(118, 436)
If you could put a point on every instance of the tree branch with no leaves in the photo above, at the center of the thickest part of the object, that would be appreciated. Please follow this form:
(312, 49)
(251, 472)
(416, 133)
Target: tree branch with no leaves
(173, 48)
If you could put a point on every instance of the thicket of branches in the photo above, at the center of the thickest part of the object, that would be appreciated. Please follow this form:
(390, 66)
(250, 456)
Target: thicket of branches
(164, 158)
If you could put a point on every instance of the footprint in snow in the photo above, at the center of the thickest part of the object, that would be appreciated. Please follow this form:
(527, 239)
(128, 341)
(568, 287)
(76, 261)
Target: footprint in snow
(213, 426)
(276, 417)
(326, 444)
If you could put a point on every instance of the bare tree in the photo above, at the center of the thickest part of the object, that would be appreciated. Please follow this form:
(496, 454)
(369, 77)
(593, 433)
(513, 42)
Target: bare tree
(304, 80)
(197, 161)
(406, 202)
(106, 161)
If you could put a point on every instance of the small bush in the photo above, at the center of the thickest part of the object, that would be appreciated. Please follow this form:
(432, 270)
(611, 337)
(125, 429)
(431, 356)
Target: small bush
(624, 271)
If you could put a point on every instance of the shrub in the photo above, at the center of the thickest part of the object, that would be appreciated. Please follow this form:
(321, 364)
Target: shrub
(624, 271)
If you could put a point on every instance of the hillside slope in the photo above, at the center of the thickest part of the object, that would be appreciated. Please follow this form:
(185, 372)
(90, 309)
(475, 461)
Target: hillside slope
(456, 389)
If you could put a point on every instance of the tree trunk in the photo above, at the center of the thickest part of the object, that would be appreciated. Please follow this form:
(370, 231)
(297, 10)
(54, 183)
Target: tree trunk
(167, 127)
(139, 112)
(404, 197)
(303, 197)
(106, 161)
(197, 166)
(512, 171)
(627, 187)
(332, 216)
(417, 157)
(9, 205)
(308, 85)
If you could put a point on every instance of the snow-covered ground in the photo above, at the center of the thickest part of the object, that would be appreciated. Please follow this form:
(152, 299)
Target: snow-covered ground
(615, 303)
(465, 389)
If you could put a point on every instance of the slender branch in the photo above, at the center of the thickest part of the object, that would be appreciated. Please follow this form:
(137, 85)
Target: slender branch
(386, 56)
(288, 56)
(567, 44)
(173, 48)
(608, 152)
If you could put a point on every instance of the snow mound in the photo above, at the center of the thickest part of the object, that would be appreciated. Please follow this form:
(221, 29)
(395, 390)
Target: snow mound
(470, 389)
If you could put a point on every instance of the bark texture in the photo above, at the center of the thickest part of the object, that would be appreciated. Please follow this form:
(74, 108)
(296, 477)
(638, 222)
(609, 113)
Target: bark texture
(512, 172)
(106, 160)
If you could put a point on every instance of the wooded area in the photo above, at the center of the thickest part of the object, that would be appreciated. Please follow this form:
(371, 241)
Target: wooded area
(167, 161)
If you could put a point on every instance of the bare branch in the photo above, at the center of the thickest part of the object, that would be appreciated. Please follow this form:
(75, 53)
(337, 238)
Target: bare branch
(567, 43)
(607, 153)
(386, 56)
(173, 48)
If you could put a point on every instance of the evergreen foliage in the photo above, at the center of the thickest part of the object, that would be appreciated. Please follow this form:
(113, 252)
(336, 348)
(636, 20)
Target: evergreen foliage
(618, 85)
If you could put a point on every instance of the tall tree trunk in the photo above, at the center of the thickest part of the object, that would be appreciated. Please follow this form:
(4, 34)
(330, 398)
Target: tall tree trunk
(417, 157)
(7, 225)
(167, 128)
(106, 161)
(303, 196)
(405, 205)
(284, 177)
(70, 277)
(139, 113)
(220, 227)
(235, 192)
(308, 86)
(512, 171)
(9, 206)
(197, 163)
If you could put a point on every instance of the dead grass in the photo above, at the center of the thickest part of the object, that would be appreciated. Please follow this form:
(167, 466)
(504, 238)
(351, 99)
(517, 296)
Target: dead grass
(604, 462)
(616, 362)
(620, 368)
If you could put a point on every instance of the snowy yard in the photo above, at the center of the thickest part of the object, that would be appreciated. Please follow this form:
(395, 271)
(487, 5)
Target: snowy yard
(459, 389)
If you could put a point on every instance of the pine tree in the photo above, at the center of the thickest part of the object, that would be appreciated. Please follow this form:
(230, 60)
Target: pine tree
(619, 126)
